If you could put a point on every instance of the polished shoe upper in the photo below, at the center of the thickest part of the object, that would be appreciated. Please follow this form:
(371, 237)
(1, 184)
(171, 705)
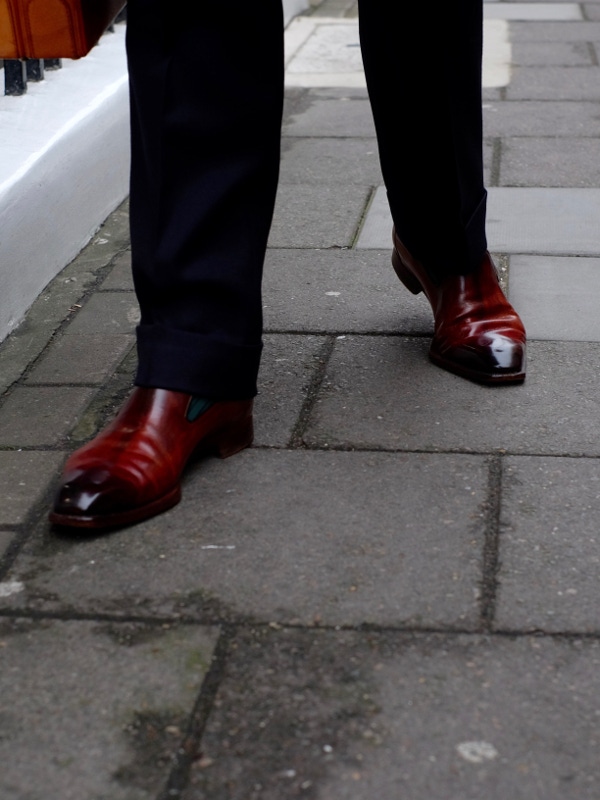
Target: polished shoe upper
(477, 333)
(132, 469)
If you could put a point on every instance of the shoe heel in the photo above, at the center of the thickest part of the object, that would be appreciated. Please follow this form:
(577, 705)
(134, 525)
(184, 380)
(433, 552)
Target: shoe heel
(405, 275)
(236, 437)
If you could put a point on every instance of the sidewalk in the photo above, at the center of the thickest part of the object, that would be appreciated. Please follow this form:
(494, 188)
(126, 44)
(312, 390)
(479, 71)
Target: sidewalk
(394, 593)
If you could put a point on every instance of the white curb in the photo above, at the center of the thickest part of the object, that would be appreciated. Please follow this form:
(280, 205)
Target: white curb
(64, 166)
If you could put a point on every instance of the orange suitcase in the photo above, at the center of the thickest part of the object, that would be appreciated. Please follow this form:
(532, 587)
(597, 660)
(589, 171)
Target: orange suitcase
(53, 28)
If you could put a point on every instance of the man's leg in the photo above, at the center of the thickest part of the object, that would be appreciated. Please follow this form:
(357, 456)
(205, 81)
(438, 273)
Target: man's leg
(206, 104)
(423, 67)
(206, 96)
(423, 70)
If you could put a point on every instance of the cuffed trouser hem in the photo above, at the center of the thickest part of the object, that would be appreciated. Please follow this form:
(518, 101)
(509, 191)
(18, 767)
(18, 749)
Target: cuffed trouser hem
(476, 240)
(196, 364)
(443, 249)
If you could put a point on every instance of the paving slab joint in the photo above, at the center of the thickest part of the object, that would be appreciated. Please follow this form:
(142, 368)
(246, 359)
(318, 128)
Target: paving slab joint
(584, 13)
(189, 749)
(34, 521)
(104, 404)
(296, 440)
(496, 161)
(593, 53)
(363, 217)
(491, 546)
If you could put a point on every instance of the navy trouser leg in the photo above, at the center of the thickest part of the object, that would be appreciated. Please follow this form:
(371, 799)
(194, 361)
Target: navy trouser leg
(206, 104)
(206, 95)
(423, 69)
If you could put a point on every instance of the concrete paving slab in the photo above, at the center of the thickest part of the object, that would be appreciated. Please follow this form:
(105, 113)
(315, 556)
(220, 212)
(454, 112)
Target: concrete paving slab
(383, 393)
(51, 308)
(330, 161)
(554, 83)
(107, 313)
(557, 297)
(309, 216)
(286, 374)
(493, 94)
(357, 716)
(550, 161)
(339, 116)
(519, 220)
(293, 7)
(81, 358)
(377, 225)
(340, 161)
(95, 710)
(540, 54)
(24, 479)
(41, 416)
(287, 537)
(323, 52)
(553, 221)
(534, 12)
(6, 538)
(339, 291)
(550, 551)
(591, 11)
(330, 8)
(537, 118)
(120, 277)
(488, 161)
(319, 161)
(557, 31)
(496, 62)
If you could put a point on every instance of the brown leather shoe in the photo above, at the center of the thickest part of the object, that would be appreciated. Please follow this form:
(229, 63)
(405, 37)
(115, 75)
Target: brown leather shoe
(478, 334)
(132, 470)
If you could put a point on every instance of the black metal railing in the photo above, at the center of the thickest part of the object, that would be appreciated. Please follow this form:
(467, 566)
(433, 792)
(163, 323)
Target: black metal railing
(18, 73)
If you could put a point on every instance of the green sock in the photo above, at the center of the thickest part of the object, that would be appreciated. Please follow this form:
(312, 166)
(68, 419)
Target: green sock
(197, 407)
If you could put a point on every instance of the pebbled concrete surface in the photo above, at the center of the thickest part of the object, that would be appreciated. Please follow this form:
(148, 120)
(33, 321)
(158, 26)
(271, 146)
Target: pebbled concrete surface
(351, 716)
(110, 703)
